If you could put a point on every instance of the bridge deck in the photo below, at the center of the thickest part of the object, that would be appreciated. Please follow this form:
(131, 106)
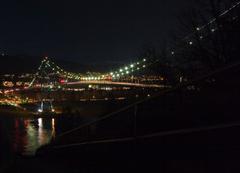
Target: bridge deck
(117, 83)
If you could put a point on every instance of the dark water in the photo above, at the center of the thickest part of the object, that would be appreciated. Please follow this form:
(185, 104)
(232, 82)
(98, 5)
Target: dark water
(24, 136)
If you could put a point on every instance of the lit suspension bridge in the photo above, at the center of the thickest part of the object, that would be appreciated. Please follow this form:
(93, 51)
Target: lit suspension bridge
(48, 69)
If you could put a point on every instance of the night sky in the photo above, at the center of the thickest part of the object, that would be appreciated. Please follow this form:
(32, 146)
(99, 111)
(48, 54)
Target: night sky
(101, 31)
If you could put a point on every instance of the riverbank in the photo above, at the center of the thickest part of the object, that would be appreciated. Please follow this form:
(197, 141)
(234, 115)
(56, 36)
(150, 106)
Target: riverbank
(66, 108)
(6, 110)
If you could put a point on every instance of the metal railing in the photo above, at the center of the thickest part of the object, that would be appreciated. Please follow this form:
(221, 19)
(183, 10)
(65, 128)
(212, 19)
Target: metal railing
(84, 135)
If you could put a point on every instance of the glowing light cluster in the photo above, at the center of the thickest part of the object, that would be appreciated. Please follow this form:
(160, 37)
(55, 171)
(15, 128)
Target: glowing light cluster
(126, 70)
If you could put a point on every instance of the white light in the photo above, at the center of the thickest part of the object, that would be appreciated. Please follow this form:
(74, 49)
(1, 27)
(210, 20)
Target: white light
(144, 66)
(127, 72)
(126, 68)
(213, 30)
(144, 59)
(197, 28)
(111, 73)
(120, 70)
(172, 52)
(40, 110)
(190, 42)
(118, 75)
(53, 123)
(40, 124)
(132, 66)
(53, 110)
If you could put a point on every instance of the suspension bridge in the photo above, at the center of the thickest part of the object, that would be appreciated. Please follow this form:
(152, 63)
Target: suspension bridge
(48, 72)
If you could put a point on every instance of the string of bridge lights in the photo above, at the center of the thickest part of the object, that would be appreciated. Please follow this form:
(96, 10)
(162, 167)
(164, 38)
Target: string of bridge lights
(128, 69)
(55, 68)
(46, 63)
(212, 29)
(37, 73)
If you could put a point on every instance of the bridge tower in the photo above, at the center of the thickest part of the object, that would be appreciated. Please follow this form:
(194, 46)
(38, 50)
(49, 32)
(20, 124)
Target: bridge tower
(45, 79)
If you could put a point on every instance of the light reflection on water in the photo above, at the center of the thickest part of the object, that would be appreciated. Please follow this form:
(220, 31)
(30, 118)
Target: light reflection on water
(30, 134)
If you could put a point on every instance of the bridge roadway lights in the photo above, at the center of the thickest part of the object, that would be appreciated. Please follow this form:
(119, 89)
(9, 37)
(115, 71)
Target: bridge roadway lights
(41, 111)
(117, 83)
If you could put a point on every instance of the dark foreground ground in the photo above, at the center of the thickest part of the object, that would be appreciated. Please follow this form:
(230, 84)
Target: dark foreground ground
(209, 150)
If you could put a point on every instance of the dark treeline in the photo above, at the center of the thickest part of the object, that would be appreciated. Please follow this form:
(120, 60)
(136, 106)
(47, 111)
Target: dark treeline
(207, 39)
